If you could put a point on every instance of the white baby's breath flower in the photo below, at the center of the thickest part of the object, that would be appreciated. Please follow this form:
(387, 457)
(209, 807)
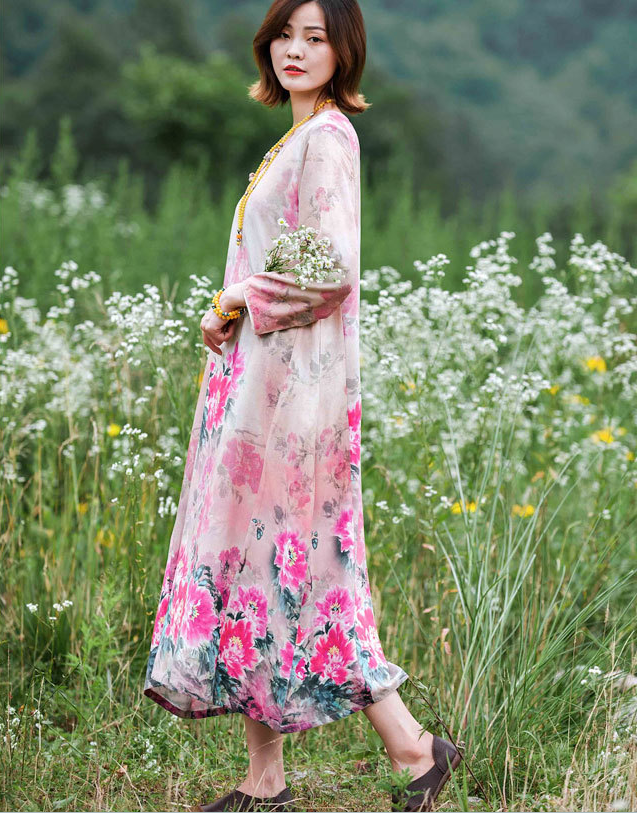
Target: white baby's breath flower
(304, 254)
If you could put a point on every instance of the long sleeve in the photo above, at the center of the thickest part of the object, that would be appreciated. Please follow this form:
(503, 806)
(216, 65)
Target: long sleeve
(329, 201)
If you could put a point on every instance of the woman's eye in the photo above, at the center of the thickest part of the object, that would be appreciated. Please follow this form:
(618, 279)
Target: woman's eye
(318, 39)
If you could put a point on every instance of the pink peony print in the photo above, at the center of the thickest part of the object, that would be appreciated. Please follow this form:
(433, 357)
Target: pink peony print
(236, 361)
(244, 464)
(338, 466)
(336, 607)
(344, 530)
(328, 441)
(287, 656)
(301, 634)
(218, 391)
(229, 560)
(290, 559)
(253, 603)
(159, 620)
(236, 648)
(207, 504)
(261, 701)
(290, 192)
(367, 633)
(190, 458)
(181, 565)
(323, 199)
(354, 417)
(298, 488)
(199, 618)
(332, 654)
(361, 559)
(299, 669)
(169, 572)
(239, 269)
(192, 615)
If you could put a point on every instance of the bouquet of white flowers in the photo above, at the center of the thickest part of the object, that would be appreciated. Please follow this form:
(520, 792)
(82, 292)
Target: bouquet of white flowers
(302, 253)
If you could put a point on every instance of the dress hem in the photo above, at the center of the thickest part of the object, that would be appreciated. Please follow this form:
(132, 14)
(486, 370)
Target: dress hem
(293, 728)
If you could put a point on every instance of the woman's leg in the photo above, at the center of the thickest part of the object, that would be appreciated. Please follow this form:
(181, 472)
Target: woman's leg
(400, 733)
(266, 775)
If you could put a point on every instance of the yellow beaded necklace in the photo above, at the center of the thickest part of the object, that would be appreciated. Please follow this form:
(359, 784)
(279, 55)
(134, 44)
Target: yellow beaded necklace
(267, 160)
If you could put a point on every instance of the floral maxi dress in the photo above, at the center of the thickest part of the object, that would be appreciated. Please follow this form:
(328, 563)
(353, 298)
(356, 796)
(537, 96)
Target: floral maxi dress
(265, 607)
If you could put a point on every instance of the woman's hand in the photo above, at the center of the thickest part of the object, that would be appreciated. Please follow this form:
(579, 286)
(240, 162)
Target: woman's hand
(217, 330)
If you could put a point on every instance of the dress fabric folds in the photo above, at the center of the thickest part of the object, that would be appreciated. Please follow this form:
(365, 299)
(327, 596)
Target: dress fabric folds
(265, 606)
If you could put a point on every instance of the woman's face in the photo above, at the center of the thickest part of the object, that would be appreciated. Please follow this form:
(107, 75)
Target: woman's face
(303, 42)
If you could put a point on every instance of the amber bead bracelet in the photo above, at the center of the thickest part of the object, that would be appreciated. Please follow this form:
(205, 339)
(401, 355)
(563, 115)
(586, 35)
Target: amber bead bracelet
(235, 314)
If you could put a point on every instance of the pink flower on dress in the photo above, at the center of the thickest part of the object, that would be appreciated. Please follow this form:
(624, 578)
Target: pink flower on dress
(287, 656)
(332, 654)
(336, 607)
(218, 391)
(181, 565)
(236, 360)
(190, 458)
(322, 198)
(298, 487)
(367, 633)
(354, 416)
(235, 272)
(290, 193)
(360, 538)
(208, 500)
(290, 559)
(302, 633)
(338, 465)
(236, 648)
(192, 615)
(199, 618)
(159, 620)
(230, 558)
(169, 572)
(244, 464)
(345, 531)
(261, 700)
(299, 669)
(229, 565)
(253, 602)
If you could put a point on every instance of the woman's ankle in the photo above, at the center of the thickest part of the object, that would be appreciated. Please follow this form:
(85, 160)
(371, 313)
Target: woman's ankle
(266, 785)
(415, 754)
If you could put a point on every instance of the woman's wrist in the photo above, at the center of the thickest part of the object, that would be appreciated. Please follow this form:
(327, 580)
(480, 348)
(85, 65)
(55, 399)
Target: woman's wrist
(232, 297)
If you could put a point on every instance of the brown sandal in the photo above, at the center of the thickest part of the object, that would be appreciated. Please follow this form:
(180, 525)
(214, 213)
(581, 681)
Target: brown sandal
(238, 800)
(447, 757)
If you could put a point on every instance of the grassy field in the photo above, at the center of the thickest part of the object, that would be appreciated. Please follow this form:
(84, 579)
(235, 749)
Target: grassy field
(499, 477)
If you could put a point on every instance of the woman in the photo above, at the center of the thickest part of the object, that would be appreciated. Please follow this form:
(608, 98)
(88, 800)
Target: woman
(265, 607)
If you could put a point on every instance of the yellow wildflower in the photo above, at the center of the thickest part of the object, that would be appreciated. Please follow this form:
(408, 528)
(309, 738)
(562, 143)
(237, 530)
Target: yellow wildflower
(4, 326)
(596, 363)
(457, 507)
(104, 538)
(523, 510)
(603, 436)
(113, 429)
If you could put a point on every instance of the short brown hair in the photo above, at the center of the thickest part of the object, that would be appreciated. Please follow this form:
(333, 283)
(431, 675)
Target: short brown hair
(346, 33)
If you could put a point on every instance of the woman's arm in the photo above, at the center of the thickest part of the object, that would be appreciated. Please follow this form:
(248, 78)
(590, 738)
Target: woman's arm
(329, 202)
